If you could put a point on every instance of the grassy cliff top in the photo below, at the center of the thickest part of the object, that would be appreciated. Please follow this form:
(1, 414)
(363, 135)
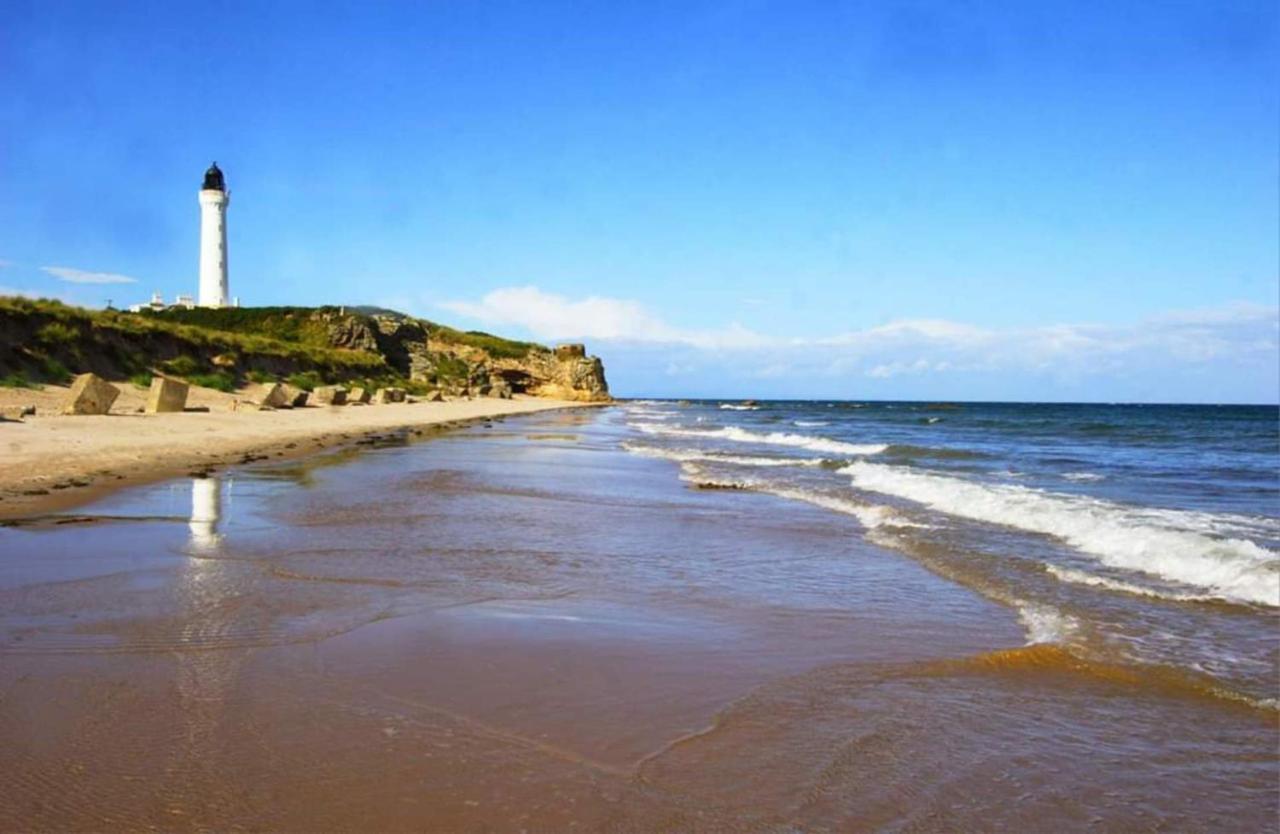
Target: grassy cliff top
(46, 341)
(301, 325)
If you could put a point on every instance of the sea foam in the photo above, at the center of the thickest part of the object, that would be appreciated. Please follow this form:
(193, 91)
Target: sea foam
(1077, 577)
(773, 438)
(1131, 538)
(694, 455)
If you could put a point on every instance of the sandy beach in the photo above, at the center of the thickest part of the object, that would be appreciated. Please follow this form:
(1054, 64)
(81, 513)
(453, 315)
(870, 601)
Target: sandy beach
(51, 462)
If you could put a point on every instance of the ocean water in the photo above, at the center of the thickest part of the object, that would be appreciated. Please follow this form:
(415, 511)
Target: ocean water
(667, 616)
(1146, 536)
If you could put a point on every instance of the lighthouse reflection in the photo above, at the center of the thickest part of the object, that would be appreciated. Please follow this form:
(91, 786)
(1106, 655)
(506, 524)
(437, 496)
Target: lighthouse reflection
(206, 513)
(208, 646)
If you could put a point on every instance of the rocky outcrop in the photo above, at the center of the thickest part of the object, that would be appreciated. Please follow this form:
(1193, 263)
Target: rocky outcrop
(567, 373)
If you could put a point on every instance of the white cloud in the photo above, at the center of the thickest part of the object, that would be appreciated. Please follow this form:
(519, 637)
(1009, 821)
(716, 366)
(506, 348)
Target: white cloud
(549, 316)
(1234, 335)
(80, 276)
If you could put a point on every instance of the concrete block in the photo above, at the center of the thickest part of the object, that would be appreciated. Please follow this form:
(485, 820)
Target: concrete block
(166, 395)
(384, 396)
(272, 395)
(329, 395)
(296, 397)
(15, 413)
(357, 395)
(90, 394)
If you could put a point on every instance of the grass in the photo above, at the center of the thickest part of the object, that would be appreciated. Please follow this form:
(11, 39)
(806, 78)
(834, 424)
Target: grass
(55, 371)
(183, 366)
(495, 346)
(307, 381)
(220, 381)
(16, 380)
(57, 333)
(104, 326)
(293, 341)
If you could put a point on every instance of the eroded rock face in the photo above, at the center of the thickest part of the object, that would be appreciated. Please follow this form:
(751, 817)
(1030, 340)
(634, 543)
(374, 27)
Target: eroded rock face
(564, 375)
(566, 372)
(90, 394)
(350, 332)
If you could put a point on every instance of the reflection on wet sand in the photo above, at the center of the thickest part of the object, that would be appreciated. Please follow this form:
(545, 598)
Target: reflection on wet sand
(207, 665)
(206, 511)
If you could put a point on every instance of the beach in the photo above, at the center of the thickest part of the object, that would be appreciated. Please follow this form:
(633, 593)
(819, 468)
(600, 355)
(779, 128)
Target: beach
(648, 617)
(52, 461)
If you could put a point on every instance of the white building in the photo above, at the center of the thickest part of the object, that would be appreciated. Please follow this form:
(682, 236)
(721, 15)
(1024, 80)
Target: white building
(214, 199)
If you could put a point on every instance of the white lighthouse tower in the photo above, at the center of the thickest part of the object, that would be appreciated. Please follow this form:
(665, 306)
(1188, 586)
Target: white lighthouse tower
(214, 198)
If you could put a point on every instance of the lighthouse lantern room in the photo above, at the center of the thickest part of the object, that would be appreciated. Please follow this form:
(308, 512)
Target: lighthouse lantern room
(214, 198)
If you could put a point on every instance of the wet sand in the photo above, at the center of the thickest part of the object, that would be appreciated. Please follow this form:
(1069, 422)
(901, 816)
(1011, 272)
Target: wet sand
(51, 462)
(523, 628)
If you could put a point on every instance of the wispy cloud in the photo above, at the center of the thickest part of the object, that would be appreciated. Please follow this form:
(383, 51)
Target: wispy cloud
(80, 276)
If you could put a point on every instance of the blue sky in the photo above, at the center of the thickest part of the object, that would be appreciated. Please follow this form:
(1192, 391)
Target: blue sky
(1072, 201)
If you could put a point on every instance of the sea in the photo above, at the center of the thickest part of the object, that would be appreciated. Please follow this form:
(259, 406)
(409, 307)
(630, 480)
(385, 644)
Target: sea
(667, 615)
(1146, 536)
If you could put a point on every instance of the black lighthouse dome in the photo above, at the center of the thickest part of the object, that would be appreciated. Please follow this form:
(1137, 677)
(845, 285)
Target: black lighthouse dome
(213, 179)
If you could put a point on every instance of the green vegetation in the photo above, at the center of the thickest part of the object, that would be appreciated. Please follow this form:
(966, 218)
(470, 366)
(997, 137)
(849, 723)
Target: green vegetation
(223, 348)
(183, 366)
(57, 333)
(495, 346)
(281, 324)
(16, 380)
(450, 367)
(220, 381)
(54, 371)
(307, 381)
(40, 339)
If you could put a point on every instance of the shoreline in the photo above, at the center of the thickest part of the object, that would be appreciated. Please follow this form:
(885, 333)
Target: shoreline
(54, 463)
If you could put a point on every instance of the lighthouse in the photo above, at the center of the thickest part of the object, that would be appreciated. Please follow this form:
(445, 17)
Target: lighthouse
(213, 239)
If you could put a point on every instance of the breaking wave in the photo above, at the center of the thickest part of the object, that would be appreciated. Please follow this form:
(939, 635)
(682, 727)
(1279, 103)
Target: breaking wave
(1147, 541)
(730, 407)
(694, 455)
(773, 438)
(808, 424)
(870, 516)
